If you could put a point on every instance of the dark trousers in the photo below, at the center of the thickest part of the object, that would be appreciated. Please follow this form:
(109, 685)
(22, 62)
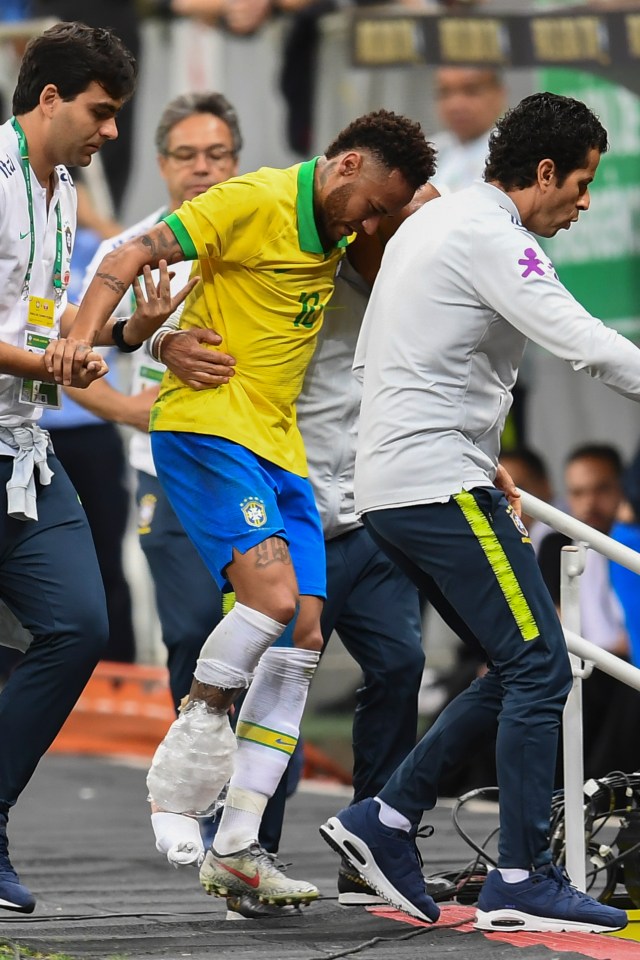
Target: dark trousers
(50, 580)
(187, 597)
(472, 560)
(94, 459)
(374, 609)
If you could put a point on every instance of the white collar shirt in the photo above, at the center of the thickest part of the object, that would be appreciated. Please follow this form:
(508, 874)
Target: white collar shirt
(15, 232)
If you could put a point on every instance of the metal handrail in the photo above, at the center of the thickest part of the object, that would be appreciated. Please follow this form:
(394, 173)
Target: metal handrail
(584, 656)
(580, 531)
(603, 660)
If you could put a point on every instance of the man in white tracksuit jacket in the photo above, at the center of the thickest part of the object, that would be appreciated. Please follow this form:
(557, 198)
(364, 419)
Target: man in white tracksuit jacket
(463, 285)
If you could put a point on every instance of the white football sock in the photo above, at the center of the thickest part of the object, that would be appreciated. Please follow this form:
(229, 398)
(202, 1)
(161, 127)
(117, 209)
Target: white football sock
(391, 817)
(232, 650)
(267, 733)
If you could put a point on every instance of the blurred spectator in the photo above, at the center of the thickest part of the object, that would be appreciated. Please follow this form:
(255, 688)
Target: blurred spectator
(298, 76)
(469, 100)
(122, 18)
(626, 530)
(593, 491)
(242, 17)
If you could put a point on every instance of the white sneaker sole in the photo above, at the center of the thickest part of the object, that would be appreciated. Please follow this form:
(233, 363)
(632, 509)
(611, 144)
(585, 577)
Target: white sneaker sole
(359, 856)
(360, 900)
(516, 921)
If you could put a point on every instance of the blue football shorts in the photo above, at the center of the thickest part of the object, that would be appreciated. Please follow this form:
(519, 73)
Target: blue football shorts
(226, 497)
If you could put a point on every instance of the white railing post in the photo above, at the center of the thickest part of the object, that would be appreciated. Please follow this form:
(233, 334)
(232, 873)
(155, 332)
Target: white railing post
(583, 656)
(572, 563)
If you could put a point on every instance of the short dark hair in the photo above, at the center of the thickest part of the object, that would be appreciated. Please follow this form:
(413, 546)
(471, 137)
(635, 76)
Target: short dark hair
(393, 140)
(186, 105)
(72, 55)
(530, 458)
(544, 125)
(597, 451)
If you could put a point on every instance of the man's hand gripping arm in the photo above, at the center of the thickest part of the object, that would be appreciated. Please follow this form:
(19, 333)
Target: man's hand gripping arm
(117, 272)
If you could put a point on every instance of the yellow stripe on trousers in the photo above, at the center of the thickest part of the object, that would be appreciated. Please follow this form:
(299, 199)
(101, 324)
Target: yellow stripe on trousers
(500, 565)
(268, 738)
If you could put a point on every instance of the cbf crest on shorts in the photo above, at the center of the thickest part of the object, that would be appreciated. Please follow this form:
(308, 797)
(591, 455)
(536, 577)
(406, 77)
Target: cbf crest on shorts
(254, 511)
(146, 510)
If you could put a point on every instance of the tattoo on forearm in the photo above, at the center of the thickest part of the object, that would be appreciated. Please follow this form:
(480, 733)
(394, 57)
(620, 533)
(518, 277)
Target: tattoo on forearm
(113, 283)
(147, 241)
(273, 550)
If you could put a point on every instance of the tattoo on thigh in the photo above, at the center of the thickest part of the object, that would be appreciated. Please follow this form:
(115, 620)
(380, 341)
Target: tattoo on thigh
(271, 551)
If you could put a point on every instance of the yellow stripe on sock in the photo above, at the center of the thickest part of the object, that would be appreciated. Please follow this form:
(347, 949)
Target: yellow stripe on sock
(268, 738)
(228, 602)
(500, 565)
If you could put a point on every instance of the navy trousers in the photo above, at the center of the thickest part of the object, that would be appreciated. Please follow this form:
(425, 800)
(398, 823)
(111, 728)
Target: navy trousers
(94, 460)
(374, 609)
(187, 597)
(50, 580)
(473, 559)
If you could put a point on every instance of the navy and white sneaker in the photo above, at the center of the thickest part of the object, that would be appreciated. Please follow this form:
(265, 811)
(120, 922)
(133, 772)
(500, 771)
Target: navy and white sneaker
(545, 901)
(385, 857)
(13, 894)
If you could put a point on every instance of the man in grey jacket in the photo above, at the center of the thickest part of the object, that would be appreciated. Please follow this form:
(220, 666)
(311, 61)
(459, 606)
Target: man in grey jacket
(463, 285)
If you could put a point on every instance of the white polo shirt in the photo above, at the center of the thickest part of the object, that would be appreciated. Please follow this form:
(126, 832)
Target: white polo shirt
(462, 287)
(15, 235)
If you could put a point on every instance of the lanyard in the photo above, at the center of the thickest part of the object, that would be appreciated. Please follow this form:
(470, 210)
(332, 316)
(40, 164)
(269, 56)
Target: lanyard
(26, 171)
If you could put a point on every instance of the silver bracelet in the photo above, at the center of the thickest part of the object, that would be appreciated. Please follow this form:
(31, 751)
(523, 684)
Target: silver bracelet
(155, 346)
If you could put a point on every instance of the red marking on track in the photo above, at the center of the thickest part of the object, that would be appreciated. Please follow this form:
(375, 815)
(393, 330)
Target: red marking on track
(595, 945)
(448, 915)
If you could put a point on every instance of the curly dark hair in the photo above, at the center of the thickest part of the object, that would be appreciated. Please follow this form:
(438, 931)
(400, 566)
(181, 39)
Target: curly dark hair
(72, 55)
(393, 140)
(544, 125)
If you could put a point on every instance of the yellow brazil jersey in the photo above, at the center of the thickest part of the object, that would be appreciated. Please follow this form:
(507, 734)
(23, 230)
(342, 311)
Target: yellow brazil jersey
(265, 283)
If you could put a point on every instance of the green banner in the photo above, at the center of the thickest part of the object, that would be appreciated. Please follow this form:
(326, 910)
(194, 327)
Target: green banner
(598, 259)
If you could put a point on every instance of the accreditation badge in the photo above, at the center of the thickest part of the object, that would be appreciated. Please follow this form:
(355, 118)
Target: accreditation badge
(39, 392)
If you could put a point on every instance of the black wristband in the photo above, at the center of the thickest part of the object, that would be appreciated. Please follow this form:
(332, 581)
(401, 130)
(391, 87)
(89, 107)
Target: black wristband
(118, 338)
